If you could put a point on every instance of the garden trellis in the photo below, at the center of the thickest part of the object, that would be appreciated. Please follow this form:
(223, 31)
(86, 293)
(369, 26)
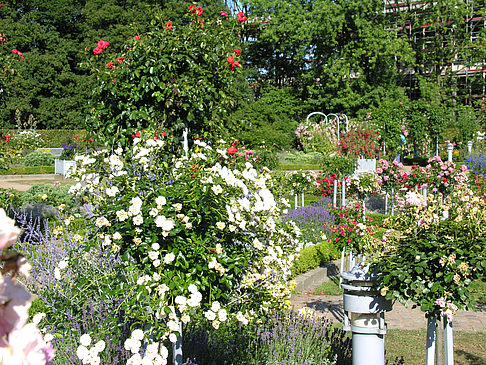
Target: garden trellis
(326, 119)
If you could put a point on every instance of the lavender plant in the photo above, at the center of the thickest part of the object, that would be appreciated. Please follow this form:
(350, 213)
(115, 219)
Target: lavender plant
(73, 286)
(313, 220)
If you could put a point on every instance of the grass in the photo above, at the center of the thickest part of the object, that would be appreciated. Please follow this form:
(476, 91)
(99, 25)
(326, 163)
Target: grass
(330, 287)
(469, 347)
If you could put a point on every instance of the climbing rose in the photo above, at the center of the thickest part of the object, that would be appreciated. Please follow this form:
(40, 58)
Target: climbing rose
(168, 25)
(232, 150)
(97, 50)
(241, 17)
(238, 51)
(103, 44)
(18, 52)
(119, 60)
(110, 65)
(224, 13)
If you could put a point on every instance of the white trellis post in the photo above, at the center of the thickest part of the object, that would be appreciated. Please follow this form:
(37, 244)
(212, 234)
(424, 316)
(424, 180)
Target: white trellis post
(430, 347)
(177, 347)
(450, 148)
(302, 199)
(469, 147)
(334, 196)
(185, 135)
(392, 202)
(343, 194)
(386, 201)
(296, 201)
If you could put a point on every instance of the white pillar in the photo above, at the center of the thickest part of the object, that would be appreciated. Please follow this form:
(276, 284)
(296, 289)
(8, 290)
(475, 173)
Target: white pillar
(186, 142)
(177, 347)
(448, 343)
(343, 195)
(450, 148)
(469, 147)
(430, 349)
(334, 196)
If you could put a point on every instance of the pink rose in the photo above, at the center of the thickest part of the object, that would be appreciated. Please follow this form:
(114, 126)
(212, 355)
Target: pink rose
(8, 231)
(441, 302)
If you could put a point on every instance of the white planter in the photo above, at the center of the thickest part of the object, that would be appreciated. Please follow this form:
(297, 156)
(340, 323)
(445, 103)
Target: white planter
(63, 166)
(367, 164)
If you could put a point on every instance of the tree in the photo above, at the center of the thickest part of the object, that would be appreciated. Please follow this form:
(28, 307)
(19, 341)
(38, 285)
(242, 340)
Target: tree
(173, 76)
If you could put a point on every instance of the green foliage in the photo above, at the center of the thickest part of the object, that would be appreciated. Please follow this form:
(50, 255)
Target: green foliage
(314, 256)
(10, 197)
(299, 157)
(23, 170)
(432, 261)
(467, 124)
(338, 165)
(50, 194)
(39, 158)
(53, 138)
(172, 76)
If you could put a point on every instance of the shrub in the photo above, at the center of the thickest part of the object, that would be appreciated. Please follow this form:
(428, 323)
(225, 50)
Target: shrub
(172, 76)
(315, 256)
(39, 158)
(49, 194)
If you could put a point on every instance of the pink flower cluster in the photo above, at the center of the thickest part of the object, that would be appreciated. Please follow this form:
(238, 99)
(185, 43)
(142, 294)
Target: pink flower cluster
(20, 343)
(448, 310)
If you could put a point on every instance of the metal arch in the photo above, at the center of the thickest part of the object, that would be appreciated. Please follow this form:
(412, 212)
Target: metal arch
(327, 120)
(315, 113)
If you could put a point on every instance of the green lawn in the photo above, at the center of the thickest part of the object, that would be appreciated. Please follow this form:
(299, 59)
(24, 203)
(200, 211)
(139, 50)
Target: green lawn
(469, 347)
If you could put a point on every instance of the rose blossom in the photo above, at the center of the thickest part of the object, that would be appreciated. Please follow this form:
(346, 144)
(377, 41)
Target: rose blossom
(8, 232)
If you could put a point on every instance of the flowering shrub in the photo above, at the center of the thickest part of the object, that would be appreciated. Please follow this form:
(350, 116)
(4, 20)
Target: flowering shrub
(360, 143)
(177, 75)
(389, 174)
(364, 184)
(349, 232)
(444, 177)
(228, 258)
(317, 137)
(325, 185)
(432, 260)
(476, 164)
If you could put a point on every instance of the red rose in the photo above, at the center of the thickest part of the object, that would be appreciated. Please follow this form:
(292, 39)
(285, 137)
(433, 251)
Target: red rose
(241, 17)
(97, 50)
(168, 25)
(224, 13)
(7, 138)
(110, 65)
(103, 44)
(231, 60)
(18, 52)
(238, 51)
(138, 134)
(164, 134)
(136, 37)
(232, 150)
(119, 60)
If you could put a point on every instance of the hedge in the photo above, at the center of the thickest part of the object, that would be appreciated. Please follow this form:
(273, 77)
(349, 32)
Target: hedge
(28, 170)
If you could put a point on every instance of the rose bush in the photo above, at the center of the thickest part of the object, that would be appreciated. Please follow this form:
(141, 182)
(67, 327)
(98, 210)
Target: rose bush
(196, 233)
(180, 75)
(431, 260)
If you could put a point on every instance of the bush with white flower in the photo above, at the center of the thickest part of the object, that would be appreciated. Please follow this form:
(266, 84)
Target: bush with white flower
(197, 234)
